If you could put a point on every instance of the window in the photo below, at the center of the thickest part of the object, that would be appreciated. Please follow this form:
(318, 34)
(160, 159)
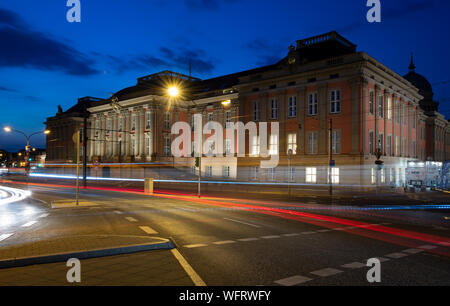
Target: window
(391, 175)
(403, 146)
(380, 106)
(133, 122)
(147, 146)
(133, 147)
(312, 104)
(403, 114)
(291, 174)
(389, 108)
(334, 175)
(208, 171)
(335, 101)
(148, 120)
(227, 117)
(397, 112)
(374, 176)
(227, 146)
(383, 176)
(108, 125)
(371, 98)
(226, 171)
(167, 121)
(274, 109)
(371, 143)
(389, 145)
(271, 173)
(312, 143)
(397, 146)
(193, 122)
(273, 146)
(292, 109)
(255, 111)
(120, 124)
(336, 141)
(292, 143)
(413, 119)
(255, 146)
(381, 143)
(209, 147)
(255, 173)
(167, 145)
(311, 175)
(210, 117)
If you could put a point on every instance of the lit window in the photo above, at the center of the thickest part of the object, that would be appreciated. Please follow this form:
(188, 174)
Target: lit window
(147, 146)
(312, 143)
(133, 147)
(227, 146)
(336, 142)
(148, 120)
(133, 122)
(291, 174)
(383, 176)
(271, 172)
(292, 143)
(380, 106)
(167, 120)
(209, 171)
(311, 175)
(371, 98)
(167, 145)
(255, 146)
(226, 171)
(374, 176)
(273, 148)
(334, 175)
(389, 108)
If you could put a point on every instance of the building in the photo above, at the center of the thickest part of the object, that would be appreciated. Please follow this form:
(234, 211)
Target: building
(322, 82)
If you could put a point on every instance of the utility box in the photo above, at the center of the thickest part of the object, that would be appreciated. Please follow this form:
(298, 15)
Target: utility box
(148, 186)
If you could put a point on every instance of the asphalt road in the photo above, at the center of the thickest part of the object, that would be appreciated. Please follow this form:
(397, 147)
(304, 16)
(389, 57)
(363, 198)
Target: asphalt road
(252, 242)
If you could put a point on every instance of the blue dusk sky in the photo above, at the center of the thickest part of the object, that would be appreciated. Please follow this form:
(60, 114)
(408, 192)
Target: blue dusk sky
(46, 61)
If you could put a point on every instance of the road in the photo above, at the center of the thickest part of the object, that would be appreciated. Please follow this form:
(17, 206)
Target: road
(230, 241)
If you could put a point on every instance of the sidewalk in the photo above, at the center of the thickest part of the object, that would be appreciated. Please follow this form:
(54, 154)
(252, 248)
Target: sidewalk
(115, 266)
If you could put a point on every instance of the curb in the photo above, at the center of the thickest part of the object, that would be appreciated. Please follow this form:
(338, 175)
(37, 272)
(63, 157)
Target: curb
(63, 257)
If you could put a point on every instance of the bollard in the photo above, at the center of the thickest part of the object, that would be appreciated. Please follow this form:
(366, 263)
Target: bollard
(148, 186)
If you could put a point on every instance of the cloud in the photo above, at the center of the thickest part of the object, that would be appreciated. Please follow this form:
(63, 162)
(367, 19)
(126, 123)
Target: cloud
(267, 54)
(2, 88)
(26, 48)
(165, 58)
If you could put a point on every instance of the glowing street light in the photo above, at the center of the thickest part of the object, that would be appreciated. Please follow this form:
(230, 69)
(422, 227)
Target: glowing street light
(226, 102)
(173, 91)
(7, 129)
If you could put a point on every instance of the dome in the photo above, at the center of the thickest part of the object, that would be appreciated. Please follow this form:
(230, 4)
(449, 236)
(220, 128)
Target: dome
(418, 80)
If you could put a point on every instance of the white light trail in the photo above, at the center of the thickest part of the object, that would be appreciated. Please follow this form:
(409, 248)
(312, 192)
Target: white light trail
(13, 195)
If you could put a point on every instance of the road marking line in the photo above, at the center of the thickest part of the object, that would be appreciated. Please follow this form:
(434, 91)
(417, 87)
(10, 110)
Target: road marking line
(248, 239)
(396, 255)
(412, 251)
(308, 233)
(290, 235)
(324, 231)
(224, 242)
(5, 236)
(118, 212)
(326, 272)
(249, 224)
(148, 230)
(29, 224)
(292, 281)
(353, 265)
(196, 279)
(131, 219)
(43, 216)
(428, 247)
(271, 237)
(191, 246)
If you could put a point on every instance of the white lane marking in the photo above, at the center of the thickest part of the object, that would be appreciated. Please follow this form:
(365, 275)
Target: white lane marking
(237, 221)
(43, 216)
(118, 212)
(396, 255)
(324, 231)
(412, 251)
(224, 242)
(248, 239)
(308, 233)
(326, 272)
(290, 235)
(353, 265)
(271, 237)
(292, 281)
(428, 247)
(196, 279)
(131, 219)
(29, 224)
(5, 236)
(191, 246)
(148, 230)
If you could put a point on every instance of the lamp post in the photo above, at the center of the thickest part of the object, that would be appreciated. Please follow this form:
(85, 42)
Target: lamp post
(27, 147)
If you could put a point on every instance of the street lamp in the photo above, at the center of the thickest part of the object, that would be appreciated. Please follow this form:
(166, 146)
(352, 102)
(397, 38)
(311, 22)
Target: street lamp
(173, 91)
(28, 137)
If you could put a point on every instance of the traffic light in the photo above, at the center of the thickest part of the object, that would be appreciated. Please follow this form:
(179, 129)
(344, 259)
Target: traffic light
(27, 148)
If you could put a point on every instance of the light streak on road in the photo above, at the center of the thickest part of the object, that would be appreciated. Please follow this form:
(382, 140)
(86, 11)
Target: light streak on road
(13, 195)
